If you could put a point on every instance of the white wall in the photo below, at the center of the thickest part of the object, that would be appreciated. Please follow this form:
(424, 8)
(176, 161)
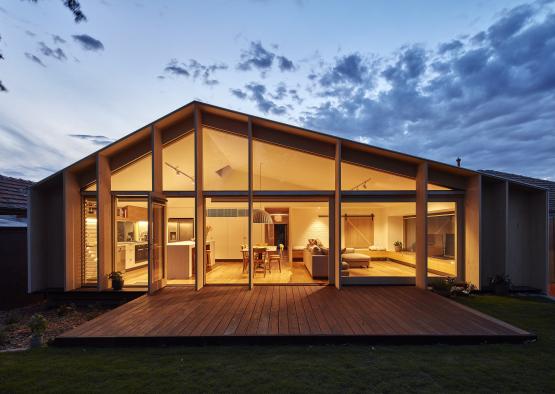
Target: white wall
(304, 223)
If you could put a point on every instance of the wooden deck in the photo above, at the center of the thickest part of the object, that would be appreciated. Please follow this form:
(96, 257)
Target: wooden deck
(291, 314)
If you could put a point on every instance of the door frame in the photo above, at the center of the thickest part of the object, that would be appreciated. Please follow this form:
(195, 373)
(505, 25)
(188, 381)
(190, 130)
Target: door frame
(160, 200)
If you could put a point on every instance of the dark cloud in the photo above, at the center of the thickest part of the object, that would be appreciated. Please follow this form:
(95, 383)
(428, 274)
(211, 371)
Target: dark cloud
(259, 94)
(285, 64)
(195, 70)
(56, 53)
(30, 33)
(450, 46)
(487, 98)
(2, 87)
(57, 39)
(348, 70)
(240, 94)
(88, 43)
(256, 57)
(95, 139)
(34, 59)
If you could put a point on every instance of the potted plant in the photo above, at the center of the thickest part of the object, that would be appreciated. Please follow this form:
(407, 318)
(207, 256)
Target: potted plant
(500, 284)
(442, 286)
(117, 280)
(398, 246)
(37, 325)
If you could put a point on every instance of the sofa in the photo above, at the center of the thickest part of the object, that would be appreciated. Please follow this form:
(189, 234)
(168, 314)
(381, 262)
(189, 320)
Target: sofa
(316, 264)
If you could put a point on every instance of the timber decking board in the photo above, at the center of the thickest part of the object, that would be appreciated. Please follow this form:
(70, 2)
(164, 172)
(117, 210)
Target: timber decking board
(290, 311)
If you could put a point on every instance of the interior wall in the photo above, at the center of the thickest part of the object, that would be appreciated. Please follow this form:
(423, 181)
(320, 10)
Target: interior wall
(305, 223)
(527, 244)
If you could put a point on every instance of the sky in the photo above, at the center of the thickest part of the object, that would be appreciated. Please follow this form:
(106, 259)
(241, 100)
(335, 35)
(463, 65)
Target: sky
(473, 79)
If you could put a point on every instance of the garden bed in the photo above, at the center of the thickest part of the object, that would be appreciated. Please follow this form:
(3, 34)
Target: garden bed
(15, 333)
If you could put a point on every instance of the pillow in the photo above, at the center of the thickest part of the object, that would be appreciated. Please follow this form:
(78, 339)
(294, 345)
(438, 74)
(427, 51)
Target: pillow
(349, 250)
(325, 251)
(343, 250)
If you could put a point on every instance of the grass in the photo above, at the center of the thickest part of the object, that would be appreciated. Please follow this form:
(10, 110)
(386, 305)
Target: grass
(350, 368)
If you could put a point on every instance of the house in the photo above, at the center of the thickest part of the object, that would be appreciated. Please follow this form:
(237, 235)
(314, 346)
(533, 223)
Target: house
(13, 242)
(550, 186)
(209, 196)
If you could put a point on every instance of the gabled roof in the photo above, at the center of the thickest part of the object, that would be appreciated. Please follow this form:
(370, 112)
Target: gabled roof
(549, 185)
(13, 193)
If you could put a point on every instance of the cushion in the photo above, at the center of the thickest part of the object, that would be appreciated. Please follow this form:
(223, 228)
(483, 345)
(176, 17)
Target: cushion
(376, 247)
(344, 266)
(299, 247)
(349, 250)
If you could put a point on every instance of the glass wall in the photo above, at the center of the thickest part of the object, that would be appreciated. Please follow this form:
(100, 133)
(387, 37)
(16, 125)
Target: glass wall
(178, 168)
(357, 177)
(89, 270)
(372, 241)
(225, 160)
(136, 176)
(279, 168)
(290, 242)
(181, 241)
(441, 237)
(226, 236)
(131, 240)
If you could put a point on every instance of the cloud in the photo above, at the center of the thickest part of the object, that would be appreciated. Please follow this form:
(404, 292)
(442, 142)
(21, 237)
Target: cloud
(57, 39)
(56, 53)
(348, 69)
(487, 98)
(238, 93)
(24, 152)
(88, 43)
(256, 57)
(34, 59)
(258, 93)
(195, 70)
(95, 139)
(285, 64)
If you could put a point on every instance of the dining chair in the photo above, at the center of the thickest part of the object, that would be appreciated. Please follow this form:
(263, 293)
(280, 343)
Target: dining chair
(245, 259)
(275, 258)
(259, 255)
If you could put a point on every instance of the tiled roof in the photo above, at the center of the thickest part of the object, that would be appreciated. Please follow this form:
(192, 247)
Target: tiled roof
(549, 185)
(14, 192)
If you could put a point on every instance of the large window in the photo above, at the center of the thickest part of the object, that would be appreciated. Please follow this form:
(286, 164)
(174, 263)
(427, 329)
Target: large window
(226, 235)
(372, 240)
(356, 177)
(441, 238)
(290, 242)
(279, 168)
(136, 176)
(178, 161)
(225, 160)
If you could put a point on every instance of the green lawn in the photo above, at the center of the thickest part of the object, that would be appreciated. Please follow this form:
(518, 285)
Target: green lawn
(483, 368)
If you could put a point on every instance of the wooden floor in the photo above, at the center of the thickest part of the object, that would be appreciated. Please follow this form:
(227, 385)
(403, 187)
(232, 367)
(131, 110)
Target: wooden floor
(231, 314)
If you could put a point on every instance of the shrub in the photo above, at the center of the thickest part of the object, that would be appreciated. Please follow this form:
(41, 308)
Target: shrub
(37, 324)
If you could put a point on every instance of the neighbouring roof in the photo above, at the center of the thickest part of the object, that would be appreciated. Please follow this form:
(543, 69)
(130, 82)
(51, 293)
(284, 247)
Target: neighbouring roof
(549, 185)
(13, 193)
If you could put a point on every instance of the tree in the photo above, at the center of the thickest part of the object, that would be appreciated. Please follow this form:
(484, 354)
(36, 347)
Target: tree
(78, 16)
